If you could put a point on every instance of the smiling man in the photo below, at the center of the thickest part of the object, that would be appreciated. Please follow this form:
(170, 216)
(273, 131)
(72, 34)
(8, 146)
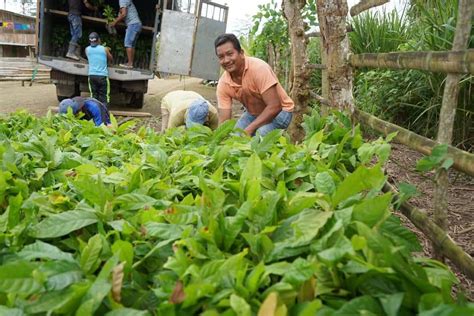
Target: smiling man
(252, 82)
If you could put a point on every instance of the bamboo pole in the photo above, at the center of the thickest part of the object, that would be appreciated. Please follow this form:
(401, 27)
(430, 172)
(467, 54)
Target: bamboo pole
(365, 5)
(456, 61)
(463, 161)
(447, 118)
(438, 236)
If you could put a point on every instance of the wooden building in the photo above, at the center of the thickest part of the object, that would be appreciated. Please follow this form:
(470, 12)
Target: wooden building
(17, 34)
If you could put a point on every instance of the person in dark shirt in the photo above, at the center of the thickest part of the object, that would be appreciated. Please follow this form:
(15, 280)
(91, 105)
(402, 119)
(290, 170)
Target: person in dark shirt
(91, 108)
(75, 26)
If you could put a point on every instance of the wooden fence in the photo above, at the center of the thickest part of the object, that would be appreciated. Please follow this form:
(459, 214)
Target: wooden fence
(455, 63)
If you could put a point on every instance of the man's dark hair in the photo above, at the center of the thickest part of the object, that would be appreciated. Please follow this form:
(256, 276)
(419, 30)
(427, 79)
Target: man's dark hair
(227, 37)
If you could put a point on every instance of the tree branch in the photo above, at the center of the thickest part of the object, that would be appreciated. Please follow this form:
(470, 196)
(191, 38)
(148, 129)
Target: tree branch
(365, 5)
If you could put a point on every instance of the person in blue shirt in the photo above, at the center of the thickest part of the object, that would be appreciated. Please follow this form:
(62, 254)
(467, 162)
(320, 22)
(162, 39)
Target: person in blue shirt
(98, 56)
(128, 13)
(91, 109)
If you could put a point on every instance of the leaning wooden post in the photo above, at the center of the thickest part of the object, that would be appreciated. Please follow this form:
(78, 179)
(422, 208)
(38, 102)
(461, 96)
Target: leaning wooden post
(292, 10)
(447, 117)
(332, 16)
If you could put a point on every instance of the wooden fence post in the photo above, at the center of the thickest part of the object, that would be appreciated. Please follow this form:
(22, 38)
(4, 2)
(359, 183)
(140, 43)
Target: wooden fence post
(447, 117)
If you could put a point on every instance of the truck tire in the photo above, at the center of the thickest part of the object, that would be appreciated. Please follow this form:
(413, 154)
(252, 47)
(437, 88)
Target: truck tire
(136, 101)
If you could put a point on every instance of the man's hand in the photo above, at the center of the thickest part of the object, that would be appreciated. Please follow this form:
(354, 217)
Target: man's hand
(224, 115)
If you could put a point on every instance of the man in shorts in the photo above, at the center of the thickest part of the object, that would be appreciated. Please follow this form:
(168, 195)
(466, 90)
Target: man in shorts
(128, 13)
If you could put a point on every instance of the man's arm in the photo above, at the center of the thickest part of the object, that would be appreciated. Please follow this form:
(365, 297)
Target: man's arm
(90, 6)
(121, 16)
(273, 107)
(224, 115)
(165, 115)
(110, 58)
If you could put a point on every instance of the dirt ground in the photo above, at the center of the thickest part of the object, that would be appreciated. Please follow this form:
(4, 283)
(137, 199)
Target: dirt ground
(401, 167)
(37, 98)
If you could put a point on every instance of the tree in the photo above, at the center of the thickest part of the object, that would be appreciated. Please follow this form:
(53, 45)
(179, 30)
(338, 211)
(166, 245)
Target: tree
(293, 11)
(28, 7)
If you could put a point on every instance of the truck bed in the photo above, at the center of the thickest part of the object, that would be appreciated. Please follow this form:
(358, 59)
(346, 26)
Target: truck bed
(55, 36)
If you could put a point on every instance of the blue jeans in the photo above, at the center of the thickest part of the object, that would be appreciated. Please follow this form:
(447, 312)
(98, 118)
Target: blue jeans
(131, 35)
(281, 121)
(75, 26)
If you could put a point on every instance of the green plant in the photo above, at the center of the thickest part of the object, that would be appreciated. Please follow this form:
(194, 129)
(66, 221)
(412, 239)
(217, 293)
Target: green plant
(106, 220)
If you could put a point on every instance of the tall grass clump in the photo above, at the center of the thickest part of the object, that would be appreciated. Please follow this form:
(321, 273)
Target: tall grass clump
(412, 98)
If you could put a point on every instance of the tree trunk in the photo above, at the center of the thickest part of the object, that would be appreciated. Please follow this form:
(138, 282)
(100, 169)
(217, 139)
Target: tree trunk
(447, 117)
(292, 10)
(332, 17)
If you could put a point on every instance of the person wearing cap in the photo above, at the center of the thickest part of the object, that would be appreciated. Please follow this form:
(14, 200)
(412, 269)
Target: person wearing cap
(91, 109)
(98, 56)
(128, 13)
(75, 26)
(252, 82)
(186, 108)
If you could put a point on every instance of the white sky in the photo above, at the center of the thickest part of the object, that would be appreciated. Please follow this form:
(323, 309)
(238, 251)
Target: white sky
(240, 11)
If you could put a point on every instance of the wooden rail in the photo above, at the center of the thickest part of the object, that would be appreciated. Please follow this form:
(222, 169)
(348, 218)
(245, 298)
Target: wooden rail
(461, 62)
(463, 161)
(436, 234)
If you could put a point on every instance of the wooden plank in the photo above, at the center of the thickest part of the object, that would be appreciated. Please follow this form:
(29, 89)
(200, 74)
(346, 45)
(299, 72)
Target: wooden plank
(93, 19)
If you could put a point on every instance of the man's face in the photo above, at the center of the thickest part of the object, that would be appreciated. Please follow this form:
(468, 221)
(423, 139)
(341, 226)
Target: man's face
(229, 58)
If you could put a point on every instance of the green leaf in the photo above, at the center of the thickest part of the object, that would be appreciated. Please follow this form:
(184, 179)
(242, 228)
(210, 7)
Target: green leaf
(61, 274)
(90, 254)
(391, 303)
(5, 311)
(324, 183)
(363, 305)
(42, 250)
(17, 278)
(136, 201)
(361, 179)
(240, 306)
(373, 211)
(62, 224)
(127, 312)
(124, 250)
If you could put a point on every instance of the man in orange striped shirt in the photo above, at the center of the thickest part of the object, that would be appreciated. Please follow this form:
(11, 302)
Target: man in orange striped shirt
(252, 82)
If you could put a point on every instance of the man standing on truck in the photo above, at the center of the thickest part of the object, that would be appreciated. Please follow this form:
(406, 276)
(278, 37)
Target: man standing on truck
(98, 55)
(252, 82)
(129, 13)
(75, 26)
(186, 108)
(91, 109)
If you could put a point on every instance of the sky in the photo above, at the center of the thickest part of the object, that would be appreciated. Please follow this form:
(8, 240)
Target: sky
(240, 11)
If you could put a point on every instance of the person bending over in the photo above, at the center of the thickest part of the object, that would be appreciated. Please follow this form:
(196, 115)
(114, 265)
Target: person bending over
(186, 108)
(91, 109)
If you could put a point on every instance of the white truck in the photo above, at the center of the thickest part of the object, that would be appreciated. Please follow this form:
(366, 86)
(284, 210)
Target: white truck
(177, 38)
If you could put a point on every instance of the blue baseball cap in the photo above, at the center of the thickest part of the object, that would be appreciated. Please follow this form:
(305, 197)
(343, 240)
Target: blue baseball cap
(197, 113)
(69, 103)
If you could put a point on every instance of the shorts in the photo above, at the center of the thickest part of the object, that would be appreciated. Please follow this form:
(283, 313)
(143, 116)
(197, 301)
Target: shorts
(131, 35)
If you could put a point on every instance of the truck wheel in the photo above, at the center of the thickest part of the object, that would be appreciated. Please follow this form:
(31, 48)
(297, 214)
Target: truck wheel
(136, 101)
